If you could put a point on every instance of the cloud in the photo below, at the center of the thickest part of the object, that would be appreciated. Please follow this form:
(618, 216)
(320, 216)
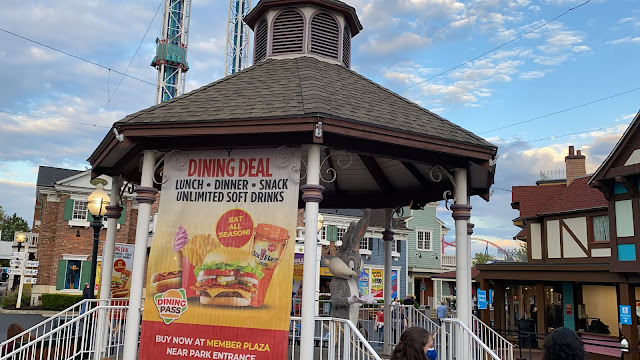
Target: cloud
(384, 46)
(529, 75)
(625, 40)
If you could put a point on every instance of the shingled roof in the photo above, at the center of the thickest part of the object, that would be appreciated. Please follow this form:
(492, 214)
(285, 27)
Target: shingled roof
(47, 175)
(530, 200)
(303, 87)
(576, 197)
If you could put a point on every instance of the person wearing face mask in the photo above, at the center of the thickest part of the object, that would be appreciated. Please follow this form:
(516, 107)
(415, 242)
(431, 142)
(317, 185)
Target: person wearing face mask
(414, 343)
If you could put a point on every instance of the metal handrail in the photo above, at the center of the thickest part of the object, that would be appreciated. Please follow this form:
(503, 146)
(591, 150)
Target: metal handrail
(460, 340)
(493, 339)
(69, 337)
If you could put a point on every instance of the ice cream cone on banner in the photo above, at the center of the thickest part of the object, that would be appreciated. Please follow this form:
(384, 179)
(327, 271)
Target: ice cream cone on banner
(263, 286)
(179, 260)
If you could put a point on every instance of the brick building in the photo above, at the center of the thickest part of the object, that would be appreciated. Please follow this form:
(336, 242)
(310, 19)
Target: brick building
(65, 239)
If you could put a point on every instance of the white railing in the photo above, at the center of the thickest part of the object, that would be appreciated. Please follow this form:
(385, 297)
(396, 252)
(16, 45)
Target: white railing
(76, 338)
(448, 260)
(334, 339)
(458, 342)
(492, 339)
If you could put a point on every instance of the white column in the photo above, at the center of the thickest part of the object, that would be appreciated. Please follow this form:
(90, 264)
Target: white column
(387, 236)
(461, 211)
(312, 195)
(23, 262)
(114, 211)
(145, 197)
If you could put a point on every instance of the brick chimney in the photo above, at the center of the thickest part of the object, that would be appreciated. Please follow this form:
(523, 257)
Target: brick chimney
(575, 164)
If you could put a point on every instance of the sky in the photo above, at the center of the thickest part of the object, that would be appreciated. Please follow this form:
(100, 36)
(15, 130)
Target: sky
(481, 64)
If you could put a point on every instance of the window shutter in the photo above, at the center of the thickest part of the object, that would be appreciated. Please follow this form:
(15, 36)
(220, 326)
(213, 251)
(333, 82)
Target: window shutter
(85, 273)
(89, 216)
(62, 272)
(68, 209)
(288, 33)
(370, 247)
(123, 215)
(398, 246)
(262, 34)
(324, 35)
(332, 233)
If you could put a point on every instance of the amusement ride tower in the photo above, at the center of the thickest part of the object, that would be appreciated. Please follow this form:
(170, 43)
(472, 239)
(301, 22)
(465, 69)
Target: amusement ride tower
(236, 58)
(171, 51)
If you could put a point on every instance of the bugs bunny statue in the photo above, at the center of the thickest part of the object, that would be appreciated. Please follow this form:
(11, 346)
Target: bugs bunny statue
(346, 267)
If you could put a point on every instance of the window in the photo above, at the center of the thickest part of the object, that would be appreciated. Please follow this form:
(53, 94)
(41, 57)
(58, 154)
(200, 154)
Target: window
(72, 275)
(423, 240)
(364, 243)
(79, 210)
(600, 228)
(340, 233)
(288, 33)
(324, 35)
(394, 246)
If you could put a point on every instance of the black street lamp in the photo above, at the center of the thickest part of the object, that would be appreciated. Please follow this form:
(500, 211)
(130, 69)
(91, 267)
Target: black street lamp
(97, 203)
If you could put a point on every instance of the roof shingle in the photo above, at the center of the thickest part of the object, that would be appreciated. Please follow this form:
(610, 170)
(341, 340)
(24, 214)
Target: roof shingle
(47, 175)
(577, 196)
(532, 199)
(303, 87)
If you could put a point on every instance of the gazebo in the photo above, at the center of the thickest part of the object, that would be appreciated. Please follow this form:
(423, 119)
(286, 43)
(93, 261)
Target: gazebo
(361, 145)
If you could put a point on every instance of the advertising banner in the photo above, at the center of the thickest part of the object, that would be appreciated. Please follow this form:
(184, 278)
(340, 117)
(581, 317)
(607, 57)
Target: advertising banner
(363, 282)
(377, 281)
(122, 267)
(221, 265)
(394, 284)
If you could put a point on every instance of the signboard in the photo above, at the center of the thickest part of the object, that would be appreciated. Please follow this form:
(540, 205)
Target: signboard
(221, 265)
(17, 255)
(30, 272)
(122, 267)
(377, 280)
(363, 282)
(394, 284)
(625, 314)
(490, 296)
(482, 299)
(15, 263)
(14, 271)
(298, 271)
(32, 263)
(30, 280)
(568, 309)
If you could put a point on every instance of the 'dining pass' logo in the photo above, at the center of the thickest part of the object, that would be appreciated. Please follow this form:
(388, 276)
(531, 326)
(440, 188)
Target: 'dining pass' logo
(171, 304)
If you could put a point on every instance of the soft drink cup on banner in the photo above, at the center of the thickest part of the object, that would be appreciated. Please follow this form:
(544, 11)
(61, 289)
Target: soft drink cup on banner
(188, 277)
(269, 244)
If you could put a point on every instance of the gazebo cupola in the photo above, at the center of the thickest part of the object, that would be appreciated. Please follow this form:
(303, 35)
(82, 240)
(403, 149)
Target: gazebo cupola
(290, 28)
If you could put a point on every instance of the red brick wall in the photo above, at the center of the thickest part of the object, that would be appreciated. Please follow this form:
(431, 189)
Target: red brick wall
(58, 238)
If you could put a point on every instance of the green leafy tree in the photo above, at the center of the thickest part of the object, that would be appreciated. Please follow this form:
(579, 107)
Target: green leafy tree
(520, 254)
(10, 224)
(482, 258)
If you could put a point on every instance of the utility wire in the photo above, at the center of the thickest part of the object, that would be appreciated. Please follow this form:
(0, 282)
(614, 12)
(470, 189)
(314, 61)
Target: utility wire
(75, 56)
(495, 48)
(560, 111)
(563, 135)
(50, 118)
(130, 62)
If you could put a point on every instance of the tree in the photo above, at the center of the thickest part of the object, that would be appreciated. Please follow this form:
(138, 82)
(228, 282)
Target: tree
(482, 258)
(520, 254)
(10, 224)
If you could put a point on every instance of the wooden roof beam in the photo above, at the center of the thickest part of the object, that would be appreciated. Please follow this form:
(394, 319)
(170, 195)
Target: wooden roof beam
(376, 172)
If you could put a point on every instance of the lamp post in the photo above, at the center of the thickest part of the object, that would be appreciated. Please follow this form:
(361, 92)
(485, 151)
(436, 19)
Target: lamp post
(97, 203)
(20, 238)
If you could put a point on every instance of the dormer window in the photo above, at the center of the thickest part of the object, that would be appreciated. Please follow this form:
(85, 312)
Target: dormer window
(325, 35)
(288, 33)
(346, 47)
(262, 36)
